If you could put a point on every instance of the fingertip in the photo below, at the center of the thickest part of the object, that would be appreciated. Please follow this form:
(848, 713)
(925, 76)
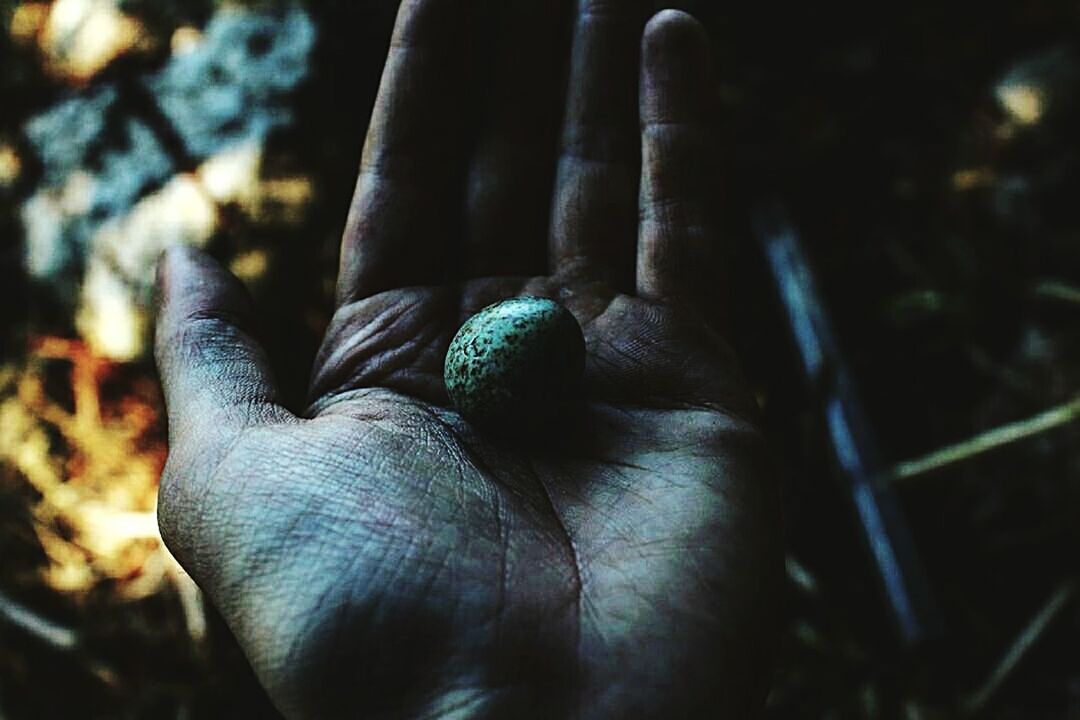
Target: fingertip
(676, 66)
(190, 281)
(175, 268)
(674, 33)
(672, 18)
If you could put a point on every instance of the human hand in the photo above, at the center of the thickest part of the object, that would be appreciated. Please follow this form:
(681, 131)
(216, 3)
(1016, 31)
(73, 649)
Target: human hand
(376, 555)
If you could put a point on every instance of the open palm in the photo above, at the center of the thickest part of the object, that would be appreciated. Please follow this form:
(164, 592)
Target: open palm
(376, 555)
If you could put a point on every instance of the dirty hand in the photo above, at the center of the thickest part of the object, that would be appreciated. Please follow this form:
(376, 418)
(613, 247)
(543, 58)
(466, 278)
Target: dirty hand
(376, 555)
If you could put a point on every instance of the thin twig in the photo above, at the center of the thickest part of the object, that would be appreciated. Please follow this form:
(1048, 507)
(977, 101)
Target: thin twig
(58, 638)
(42, 629)
(1057, 290)
(909, 598)
(1020, 647)
(987, 441)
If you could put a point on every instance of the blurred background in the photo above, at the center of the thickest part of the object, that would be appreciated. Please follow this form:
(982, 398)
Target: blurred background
(902, 209)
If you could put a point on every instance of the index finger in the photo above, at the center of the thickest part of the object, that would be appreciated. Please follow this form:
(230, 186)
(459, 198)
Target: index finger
(405, 212)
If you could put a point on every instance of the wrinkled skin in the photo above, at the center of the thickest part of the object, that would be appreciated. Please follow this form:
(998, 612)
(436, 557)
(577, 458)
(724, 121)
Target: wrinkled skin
(378, 557)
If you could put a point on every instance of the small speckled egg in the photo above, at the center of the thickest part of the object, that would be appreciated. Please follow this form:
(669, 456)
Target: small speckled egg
(516, 364)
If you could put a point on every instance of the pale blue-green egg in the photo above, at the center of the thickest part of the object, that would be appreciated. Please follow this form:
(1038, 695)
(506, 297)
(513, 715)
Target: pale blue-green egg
(516, 364)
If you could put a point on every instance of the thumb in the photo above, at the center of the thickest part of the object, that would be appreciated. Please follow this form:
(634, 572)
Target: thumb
(217, 383)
